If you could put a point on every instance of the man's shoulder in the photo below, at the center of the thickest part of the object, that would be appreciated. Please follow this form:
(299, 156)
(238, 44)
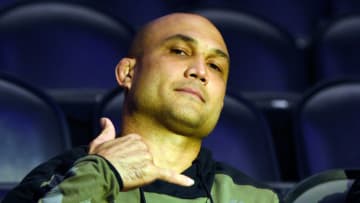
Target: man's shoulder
(236, 175)
(239, 185)
(221, 168)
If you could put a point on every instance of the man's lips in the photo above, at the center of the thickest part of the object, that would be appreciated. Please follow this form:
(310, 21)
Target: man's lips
(191, 91)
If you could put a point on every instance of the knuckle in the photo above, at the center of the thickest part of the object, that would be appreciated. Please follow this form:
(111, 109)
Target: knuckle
(148, 156)
(142, 146)
(149, 170)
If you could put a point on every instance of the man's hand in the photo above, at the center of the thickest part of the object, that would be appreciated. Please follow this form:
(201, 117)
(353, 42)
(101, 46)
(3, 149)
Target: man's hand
(131, 158)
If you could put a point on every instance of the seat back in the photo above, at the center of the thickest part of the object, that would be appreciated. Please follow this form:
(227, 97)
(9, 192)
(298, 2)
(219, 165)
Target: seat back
(61, 45)
(327, 128)
(264, 58)
(32, 127)
(343, 8)
(241, 137)
(110, 106)
(336, 50)
(330, 186)
(300, 18)
(135, 13)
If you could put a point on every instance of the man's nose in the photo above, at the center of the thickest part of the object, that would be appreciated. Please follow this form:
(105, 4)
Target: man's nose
(198, 70)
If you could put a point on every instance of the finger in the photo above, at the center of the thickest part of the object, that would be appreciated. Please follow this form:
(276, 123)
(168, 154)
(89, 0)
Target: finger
(108, 132)
(175, 178)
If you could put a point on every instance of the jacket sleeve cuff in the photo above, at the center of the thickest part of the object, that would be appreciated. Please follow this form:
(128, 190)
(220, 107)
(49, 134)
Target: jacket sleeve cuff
(115, 172)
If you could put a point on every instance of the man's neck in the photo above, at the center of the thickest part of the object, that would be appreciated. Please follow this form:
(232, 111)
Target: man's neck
(169, 150)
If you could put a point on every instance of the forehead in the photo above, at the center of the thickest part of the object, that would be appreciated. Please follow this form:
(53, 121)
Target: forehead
(196, 27)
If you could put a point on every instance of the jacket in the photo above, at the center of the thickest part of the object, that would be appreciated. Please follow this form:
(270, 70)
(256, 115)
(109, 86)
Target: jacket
(76, 176)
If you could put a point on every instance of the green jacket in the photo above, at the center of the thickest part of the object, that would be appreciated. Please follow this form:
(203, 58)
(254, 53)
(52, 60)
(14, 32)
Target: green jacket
(78, 177)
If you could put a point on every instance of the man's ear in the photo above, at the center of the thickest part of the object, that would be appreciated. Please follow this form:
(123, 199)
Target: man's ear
(125, 71)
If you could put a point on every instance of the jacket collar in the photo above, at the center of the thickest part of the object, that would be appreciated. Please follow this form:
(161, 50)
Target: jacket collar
(202, 171)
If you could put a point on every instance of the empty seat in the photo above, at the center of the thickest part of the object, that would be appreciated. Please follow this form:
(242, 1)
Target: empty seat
(337, 48)
(278, 109)
(263, 57)
(327, 128)
(137, 12)
(241, 138)
(325, 187)
(32, 127)
(110, 105)
(300, 17)
(61, 45)
(5, 3)
(68, 49)
(344, 7)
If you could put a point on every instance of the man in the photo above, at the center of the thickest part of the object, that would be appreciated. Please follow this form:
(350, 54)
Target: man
(175, 80)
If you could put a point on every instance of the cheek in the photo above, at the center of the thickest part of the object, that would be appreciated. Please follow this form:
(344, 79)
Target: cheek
(217, 97)
(217, 85)
(217, 93)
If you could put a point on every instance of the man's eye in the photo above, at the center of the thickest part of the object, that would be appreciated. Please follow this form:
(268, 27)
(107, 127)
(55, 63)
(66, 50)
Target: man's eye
(215, 67)
(178, 51)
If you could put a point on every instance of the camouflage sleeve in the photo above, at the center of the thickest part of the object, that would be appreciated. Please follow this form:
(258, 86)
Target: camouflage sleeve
(91, 179)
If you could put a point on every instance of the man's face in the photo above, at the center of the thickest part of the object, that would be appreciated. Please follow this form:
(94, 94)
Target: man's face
(180, 79)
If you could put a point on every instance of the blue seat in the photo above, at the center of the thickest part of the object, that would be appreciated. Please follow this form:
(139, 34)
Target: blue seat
(329, 186)
(61, 45)
(337, 48)
(327, 128)
(69, 50)
(135, 13)
(241, 138)
(110, 105)
(278, 109)
(300, 18)
(33, 129)
(345, 7)
(5, 188)
(264, 58)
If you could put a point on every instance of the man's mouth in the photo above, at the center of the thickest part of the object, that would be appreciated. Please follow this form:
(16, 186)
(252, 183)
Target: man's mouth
(191, 91)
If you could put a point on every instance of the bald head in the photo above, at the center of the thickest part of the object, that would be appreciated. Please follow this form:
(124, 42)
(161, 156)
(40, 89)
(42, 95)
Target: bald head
(179, 60)
(169, 23)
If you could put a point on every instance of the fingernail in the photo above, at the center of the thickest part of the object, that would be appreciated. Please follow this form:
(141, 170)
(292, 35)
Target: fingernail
(190, 181)
(102, 122)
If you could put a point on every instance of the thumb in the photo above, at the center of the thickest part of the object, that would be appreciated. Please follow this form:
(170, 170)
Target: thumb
(173, 177)
(107, 133)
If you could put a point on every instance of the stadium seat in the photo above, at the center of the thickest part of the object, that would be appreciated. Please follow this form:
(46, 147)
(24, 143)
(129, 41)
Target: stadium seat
(330, 186)
(278, 109)
(243, 139)
(263, 57)
(336, 50)
(344, 8)
(299, 18)
(59, 45)
(135, 13)
(67, 49)
(327, 128)
(110, 105)
(33, 129)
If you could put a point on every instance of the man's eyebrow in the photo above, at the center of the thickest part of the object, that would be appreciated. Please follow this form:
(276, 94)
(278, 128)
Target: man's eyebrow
(186, 38)
(181, 37)
(221, 53)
